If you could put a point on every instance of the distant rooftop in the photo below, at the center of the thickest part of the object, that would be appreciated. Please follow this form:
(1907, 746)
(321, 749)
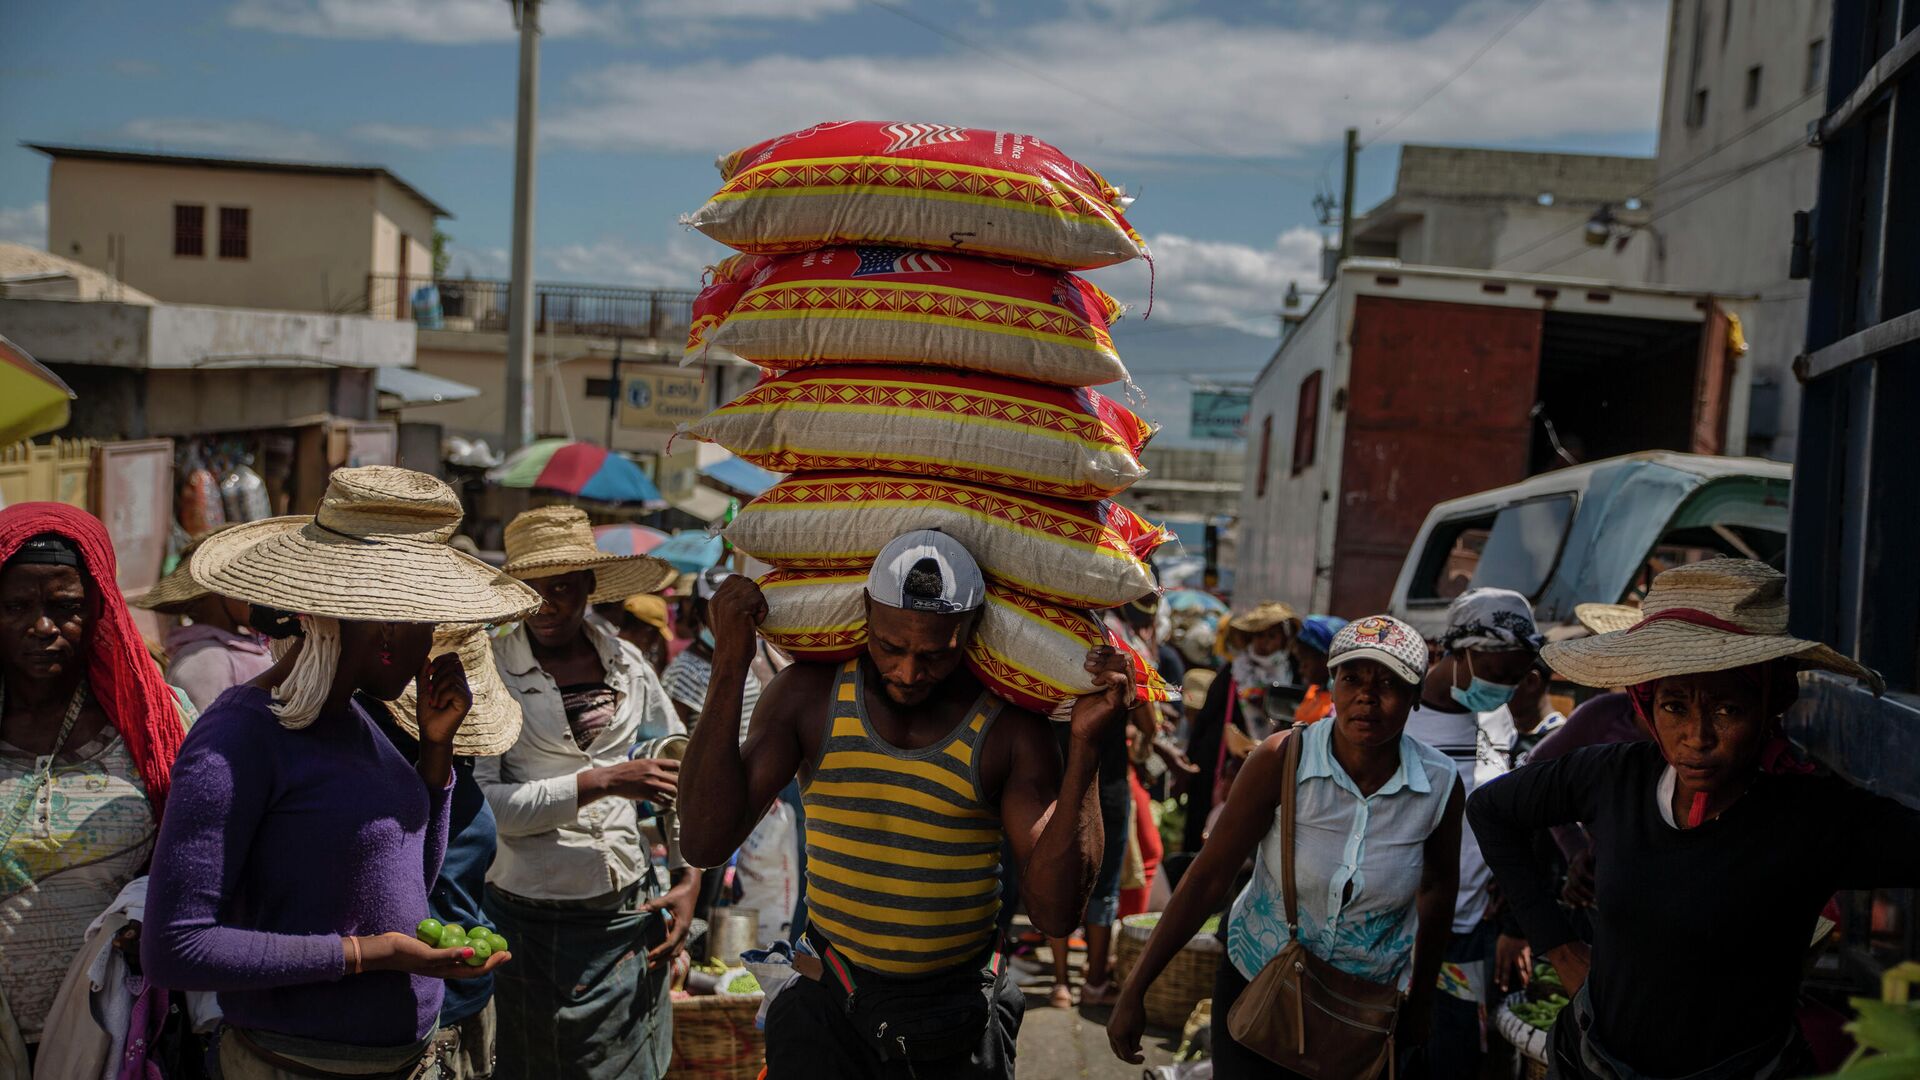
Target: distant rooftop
(1474, 173)
(30, 273)
(201, 161)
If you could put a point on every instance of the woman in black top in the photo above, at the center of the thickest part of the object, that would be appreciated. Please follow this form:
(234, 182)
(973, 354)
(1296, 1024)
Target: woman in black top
(1715, 850)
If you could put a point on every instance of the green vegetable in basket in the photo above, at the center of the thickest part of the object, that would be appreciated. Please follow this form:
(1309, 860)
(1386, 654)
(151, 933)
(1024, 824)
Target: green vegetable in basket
(744, 983)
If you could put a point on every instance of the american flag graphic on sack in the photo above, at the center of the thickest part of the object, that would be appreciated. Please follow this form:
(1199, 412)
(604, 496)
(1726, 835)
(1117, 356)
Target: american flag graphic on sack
(893, 260)
(915, 136)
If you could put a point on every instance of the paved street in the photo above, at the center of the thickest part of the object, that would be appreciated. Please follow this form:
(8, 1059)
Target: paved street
(1061, 1043)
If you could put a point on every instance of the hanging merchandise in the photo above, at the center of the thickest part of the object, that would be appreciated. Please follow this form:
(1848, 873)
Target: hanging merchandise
(1027, 651)
(1081, 554)
(894, 305)
(199, 508)
(962, 190)
(1072, 444)
(245, 494)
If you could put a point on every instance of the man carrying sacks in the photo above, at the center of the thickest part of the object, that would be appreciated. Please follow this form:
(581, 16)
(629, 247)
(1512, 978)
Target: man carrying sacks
(913, 776)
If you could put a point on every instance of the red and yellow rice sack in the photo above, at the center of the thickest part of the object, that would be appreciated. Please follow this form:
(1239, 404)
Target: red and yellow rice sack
(1025, 650)
(1071, 444)
(893, 305)
(991, 193)
(1088, 555)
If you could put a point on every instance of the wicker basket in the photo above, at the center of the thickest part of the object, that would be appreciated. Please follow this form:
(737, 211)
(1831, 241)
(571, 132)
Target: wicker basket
(1187, 980)
(715, 1037)
(1528, 1041)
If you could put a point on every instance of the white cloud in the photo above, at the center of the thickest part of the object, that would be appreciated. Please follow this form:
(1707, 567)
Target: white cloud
(678, 263)
(1216, 282)
(422, 136)
(733, 10)
(468, 22)
(24, 225)
(239, 138)
(1160, 88)
(438, 22)
(464, 261)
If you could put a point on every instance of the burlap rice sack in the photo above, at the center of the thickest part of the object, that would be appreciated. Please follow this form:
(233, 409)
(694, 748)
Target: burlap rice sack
(901, 306)
(1072, 444)
(1027, 651)
(991, 193)
(1088, 555)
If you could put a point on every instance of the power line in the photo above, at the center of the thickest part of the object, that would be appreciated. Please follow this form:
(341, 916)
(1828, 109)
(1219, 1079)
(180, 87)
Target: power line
(1660, 181)
(1038, 73)
(1484, 48)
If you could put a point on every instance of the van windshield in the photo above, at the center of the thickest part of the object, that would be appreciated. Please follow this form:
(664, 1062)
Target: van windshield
(1514, 548)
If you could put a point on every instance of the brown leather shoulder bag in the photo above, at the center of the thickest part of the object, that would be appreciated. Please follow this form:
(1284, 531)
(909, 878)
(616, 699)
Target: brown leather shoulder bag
(1302, 1012)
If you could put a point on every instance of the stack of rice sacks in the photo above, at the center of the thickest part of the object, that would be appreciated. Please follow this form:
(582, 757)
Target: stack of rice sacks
(928, 360)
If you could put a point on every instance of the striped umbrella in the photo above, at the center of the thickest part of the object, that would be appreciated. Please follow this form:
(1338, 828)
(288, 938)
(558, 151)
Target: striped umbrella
(624, 539)
(35, 400)
(580, 469)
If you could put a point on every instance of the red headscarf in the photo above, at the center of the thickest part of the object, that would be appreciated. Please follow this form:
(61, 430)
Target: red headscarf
(121, 674)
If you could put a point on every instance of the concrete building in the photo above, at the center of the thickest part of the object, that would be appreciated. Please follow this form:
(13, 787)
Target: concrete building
(145, 368)
(1506, 210)
(1743, 82)
(289, 236)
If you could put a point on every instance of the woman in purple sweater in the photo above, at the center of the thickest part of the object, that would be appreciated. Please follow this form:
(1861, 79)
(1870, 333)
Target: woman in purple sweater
(299, 846)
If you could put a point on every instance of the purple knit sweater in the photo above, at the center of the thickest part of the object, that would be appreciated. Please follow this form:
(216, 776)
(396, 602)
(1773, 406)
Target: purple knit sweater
(275, 843)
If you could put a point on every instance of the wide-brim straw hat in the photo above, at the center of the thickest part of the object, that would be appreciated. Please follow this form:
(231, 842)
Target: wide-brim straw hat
(1264, 617)
(1606, 618)
(376, 552)
(175, 593)
(1715, 615)
(556, 540)
(492, 726)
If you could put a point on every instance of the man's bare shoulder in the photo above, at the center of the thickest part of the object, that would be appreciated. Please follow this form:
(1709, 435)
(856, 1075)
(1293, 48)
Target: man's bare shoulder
(799, 688)
(1018, 736)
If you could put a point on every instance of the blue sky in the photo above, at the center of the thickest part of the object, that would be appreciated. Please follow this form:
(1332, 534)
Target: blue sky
(1223, 117)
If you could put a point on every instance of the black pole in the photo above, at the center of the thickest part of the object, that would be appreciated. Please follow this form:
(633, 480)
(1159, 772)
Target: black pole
(613, 391)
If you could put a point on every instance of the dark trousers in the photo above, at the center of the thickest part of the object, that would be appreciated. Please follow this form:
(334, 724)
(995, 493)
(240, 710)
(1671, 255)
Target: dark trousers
(809, 1036)
(1454, 1049)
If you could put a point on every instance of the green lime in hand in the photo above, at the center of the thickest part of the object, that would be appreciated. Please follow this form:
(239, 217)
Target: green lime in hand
(481, 950)
(428, 931)
(480, 932)
(499, 943)
(452, 939)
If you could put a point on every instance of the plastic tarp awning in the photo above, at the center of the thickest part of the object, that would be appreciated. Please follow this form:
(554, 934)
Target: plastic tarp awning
(742, 476)
(702, 502)
(415, 387)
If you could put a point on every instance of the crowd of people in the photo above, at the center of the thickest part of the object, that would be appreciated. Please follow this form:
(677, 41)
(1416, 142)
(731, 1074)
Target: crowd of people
(389, 811)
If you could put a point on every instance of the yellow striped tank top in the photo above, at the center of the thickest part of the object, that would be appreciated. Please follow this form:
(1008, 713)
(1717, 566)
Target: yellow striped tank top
(903, 851)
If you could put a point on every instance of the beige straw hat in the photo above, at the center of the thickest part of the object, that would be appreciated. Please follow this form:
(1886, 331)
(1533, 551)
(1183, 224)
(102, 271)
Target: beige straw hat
(492, 726)
(1606, 618)
(1706, 616)
(556, 540)
(1264, 617)
(175, 593)
(376, 552)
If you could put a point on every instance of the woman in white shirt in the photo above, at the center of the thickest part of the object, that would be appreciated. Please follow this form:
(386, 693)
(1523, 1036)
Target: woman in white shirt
(573, 885)
(1376, 853)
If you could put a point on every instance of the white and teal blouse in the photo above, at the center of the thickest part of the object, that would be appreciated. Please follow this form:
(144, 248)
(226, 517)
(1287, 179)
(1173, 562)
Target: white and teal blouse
(1357, 862)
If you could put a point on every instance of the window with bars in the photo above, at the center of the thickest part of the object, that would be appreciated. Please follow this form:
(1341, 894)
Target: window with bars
(1306, 423)
(234, 227)
(189, 231)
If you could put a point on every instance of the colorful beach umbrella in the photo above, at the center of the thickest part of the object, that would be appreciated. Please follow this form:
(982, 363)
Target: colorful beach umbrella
(33, 400)
(624, 539)
(580, 469)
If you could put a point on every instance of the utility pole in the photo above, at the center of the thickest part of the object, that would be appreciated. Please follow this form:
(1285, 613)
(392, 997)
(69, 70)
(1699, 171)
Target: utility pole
(520, 289)
(1346, 199)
